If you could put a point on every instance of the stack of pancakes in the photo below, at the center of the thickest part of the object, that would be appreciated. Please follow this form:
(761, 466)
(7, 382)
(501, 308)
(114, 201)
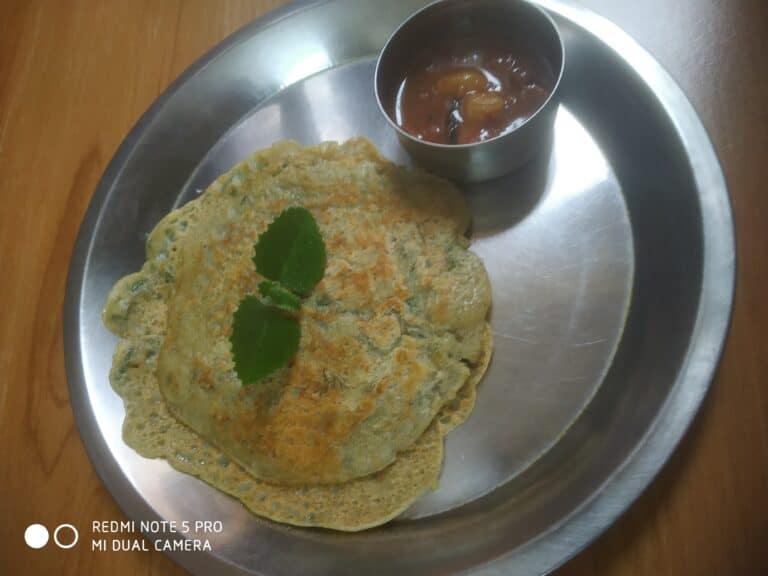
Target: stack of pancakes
(394, 339)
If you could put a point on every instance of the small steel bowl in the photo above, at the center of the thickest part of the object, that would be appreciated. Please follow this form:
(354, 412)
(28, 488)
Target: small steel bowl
(444, 21)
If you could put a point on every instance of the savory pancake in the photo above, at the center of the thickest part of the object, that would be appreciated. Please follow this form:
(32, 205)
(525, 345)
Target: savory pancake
(346, 435)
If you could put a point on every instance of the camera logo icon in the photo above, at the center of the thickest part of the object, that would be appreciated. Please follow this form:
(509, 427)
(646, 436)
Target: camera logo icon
(65, 536)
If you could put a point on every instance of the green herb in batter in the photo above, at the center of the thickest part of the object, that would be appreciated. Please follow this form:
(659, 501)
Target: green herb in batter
(266, 333)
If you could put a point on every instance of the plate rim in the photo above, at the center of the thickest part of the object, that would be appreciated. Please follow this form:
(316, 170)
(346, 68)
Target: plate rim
(554, 547)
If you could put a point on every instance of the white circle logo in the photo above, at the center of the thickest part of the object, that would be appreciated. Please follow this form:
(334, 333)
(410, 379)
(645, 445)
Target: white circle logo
(56, 536)
(36, 535)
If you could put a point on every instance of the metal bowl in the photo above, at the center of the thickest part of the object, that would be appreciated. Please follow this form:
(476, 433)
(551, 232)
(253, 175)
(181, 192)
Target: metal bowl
(445, 21)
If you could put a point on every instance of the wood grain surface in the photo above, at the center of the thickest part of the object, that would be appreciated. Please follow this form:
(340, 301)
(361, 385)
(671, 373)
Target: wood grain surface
(74, 77)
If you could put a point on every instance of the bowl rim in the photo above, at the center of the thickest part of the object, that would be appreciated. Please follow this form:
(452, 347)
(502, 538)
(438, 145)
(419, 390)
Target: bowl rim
(437, 145)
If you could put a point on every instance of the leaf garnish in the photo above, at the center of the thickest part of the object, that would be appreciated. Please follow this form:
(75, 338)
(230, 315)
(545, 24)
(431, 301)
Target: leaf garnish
(291, 251)
(266, 333)
(278, 296)
(263, 339)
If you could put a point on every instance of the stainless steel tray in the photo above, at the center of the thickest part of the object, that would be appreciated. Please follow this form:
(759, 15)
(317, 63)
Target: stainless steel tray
(612, 264)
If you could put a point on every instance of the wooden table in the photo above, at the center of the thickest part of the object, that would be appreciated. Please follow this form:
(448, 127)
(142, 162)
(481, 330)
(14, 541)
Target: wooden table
(76, 75)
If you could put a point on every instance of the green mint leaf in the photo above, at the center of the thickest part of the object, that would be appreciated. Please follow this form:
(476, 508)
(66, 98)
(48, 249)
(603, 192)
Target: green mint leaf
(291, 251)
(263, 339)
(278, 296)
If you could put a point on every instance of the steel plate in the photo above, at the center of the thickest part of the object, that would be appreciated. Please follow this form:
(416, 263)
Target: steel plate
(612, 264)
